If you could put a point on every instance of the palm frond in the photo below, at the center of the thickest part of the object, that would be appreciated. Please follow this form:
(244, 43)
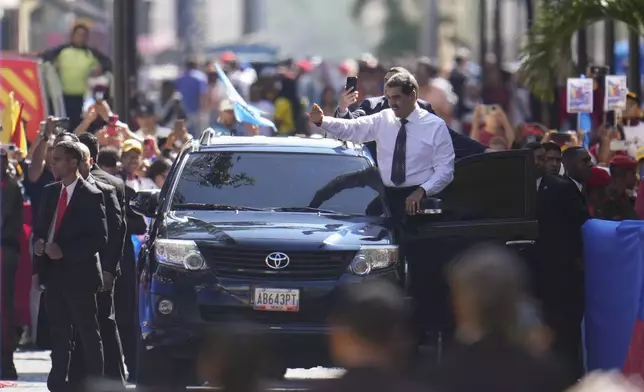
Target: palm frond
(548, 49)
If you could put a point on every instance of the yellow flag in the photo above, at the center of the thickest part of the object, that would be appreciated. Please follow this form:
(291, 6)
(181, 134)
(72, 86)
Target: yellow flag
(13, 131)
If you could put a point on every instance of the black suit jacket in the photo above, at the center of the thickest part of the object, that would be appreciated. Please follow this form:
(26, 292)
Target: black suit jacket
(113, 250)
(370, 380)
(135, 223)
(81, 236)
(12, 214)
(561, 212)
(106, 178)
(463, 145)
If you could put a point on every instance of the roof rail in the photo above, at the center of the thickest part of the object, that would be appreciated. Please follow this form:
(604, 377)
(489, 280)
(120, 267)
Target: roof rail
(206, 135)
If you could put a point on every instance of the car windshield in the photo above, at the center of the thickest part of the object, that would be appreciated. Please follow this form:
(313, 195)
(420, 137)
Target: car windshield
(283, 182)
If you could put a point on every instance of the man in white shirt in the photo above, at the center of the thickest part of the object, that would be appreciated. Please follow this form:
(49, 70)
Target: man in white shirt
(416, 160)
(414, 148)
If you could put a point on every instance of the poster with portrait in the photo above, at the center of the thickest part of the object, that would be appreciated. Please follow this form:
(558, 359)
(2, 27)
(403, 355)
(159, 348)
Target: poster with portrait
(615, 92)
(579, 95)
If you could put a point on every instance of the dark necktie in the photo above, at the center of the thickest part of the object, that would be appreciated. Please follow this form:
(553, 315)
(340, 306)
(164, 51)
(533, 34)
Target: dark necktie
(400, 150)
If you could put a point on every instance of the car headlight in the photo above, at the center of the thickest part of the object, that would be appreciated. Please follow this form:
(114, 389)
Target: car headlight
(179, 254)
(373, 257)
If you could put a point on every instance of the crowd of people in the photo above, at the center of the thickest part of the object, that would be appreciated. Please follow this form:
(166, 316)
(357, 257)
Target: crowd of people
(415, 128)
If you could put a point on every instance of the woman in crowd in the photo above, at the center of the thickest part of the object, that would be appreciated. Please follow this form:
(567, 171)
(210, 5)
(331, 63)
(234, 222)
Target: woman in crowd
(491, 122)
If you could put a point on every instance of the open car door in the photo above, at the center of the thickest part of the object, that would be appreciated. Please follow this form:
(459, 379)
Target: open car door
(492, 199)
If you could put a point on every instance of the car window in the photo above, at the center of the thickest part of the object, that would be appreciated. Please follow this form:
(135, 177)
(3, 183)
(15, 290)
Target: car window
(489, 187)
(344, 184)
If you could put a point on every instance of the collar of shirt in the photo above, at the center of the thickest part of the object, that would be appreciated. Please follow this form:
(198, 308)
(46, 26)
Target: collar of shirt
(70, 189)
(414, 116)
(539, 182)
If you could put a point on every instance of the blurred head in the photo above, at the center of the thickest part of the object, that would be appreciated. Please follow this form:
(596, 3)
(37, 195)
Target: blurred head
(401, 92)
(66, 159)
(86, 161)
(623, 171)
(256, 92)
(553, 157)
(442, 98)
(394, 71)
(191, 64)
(108, 159)
(492, 118)
(370, 324)
(145, 116)
(167, 89)
(539, 154)
(426, 70)
(158, 171)
(131, 153)
(487, 286)
(233, 358)
(80, 35)
(328, 96)
(227, 113)
(91, 141)
(577, 163)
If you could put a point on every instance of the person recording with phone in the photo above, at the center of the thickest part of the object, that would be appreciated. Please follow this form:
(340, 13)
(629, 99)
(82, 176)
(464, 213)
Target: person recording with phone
(463, 145)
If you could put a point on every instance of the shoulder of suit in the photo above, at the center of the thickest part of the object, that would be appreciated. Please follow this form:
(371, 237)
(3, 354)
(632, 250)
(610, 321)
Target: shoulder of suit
(91, 188)
(106, 177)
(103, 186)
(52, 185)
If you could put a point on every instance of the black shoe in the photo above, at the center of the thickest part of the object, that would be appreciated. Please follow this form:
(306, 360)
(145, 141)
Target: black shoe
(9, 374)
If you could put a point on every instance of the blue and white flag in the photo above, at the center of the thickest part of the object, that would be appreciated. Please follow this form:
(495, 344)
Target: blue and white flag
(244, 112)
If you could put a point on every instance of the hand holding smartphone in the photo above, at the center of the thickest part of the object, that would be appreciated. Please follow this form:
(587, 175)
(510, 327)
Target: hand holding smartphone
(351, 84)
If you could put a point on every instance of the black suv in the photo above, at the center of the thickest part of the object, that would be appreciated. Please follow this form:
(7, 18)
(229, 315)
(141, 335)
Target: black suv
(266, 229)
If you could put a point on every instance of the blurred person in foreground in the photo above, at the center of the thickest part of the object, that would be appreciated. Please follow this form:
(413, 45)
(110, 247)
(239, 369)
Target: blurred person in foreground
(462, 144)
(369, 337)
(233, 359)
(11, 227)
(493, 352)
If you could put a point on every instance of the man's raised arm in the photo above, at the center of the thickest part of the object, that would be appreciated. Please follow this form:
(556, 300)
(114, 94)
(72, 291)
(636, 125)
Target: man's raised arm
(359, 130)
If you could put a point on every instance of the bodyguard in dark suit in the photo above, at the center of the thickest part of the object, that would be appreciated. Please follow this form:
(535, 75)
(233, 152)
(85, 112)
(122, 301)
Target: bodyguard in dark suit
(463, 145)
(110, 257)
(11, 225)
(562, 211)
(70, 231)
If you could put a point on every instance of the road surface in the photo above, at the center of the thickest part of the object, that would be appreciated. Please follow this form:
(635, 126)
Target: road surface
(33, 367)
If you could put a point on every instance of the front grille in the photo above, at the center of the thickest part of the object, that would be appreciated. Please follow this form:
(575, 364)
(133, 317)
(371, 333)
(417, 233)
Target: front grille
(251, 263)
(306, 315)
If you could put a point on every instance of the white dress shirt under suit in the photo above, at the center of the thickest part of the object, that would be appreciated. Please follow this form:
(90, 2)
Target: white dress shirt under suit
(429, 155)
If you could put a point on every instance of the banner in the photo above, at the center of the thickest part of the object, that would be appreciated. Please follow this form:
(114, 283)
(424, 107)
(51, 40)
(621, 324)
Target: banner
(615, 92)
(579, 95)
(244, 112)
(614, 267)
(21, 76)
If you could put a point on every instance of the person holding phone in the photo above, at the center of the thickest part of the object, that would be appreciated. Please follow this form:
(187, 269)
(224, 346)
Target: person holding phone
(462, 144)
(178, 138)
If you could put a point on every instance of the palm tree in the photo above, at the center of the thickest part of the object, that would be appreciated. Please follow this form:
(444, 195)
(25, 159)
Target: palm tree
(548, 52)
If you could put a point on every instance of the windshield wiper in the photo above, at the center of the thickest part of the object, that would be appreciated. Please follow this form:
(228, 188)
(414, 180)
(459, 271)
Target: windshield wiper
(305, 209)
(213, 207)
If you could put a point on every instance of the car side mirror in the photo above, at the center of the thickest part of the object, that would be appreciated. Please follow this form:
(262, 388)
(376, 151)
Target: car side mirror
(145, 202)
(431, 206)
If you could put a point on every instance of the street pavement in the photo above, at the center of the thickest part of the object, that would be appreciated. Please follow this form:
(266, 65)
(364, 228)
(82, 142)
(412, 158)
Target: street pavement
(33, 367)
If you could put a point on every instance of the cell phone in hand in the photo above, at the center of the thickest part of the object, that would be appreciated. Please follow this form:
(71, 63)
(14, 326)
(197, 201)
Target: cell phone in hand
(351, 84)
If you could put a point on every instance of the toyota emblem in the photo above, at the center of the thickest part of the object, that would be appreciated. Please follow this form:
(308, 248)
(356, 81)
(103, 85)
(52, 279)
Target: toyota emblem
(277, 260)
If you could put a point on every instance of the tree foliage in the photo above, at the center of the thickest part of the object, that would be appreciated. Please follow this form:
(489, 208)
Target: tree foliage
(548, 50)
(401, 33)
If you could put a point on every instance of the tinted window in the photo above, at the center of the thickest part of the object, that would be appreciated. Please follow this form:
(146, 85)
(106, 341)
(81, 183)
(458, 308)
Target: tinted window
(272, 180)
(489, 187)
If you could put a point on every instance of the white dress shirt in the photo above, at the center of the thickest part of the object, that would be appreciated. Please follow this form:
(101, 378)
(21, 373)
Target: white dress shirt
(70, 191)
(429, 157)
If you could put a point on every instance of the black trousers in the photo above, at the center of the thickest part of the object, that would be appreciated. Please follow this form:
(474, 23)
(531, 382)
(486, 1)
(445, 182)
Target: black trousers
(74, 110)
(10, 261)
(114, 369)
(427, 260)
(125, 299)
(68, 311)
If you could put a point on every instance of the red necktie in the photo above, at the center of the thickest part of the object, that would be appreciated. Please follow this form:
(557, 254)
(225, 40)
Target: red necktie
(62, 206)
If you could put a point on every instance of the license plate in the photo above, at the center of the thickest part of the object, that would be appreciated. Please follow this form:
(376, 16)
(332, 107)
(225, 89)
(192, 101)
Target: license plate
(277, 300)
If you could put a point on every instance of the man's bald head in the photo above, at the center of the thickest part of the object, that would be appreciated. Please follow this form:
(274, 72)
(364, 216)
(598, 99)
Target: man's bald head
(86, 161)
